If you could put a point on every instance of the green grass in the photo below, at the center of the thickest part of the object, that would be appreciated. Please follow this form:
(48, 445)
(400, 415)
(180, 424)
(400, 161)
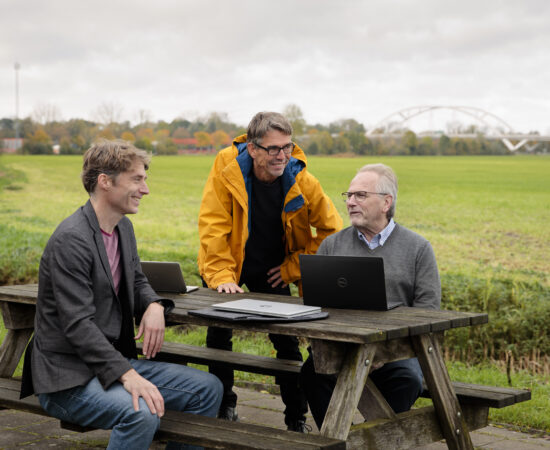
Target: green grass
(485, 217)
(526, 416)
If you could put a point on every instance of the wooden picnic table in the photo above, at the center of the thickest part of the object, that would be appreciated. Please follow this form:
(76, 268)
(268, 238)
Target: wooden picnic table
(347, 343)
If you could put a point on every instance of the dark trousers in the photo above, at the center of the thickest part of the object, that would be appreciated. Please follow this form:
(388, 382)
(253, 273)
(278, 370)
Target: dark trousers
(287, 347)
(400, 382)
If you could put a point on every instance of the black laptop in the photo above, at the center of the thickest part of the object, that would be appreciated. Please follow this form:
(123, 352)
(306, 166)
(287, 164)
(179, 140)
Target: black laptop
(166, 277)
(345, 282)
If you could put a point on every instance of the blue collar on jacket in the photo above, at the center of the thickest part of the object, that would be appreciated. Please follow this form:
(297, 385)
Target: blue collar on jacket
(292, 169)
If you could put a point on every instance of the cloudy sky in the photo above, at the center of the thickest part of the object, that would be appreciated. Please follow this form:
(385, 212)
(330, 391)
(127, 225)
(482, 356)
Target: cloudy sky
(334, 59)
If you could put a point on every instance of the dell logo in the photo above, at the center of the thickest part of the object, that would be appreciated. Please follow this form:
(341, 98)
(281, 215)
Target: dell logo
(342, 282)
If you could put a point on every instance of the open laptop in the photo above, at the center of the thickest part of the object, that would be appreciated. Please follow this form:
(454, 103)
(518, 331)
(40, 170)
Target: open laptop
(266, 308)
(166, 277)
(346, 282)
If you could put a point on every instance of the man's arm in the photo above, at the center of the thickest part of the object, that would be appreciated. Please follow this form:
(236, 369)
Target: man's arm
(215, 225)
(70, 261)
(151, 328)
(427, 289)
(323, 216)
(149, 307)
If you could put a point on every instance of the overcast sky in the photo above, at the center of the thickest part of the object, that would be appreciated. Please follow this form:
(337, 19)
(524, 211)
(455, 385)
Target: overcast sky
(334, 59)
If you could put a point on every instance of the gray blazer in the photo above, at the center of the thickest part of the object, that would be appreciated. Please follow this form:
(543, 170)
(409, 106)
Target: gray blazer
(78, 313)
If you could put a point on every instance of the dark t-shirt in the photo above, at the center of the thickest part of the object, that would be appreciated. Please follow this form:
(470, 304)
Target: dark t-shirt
(265, 247)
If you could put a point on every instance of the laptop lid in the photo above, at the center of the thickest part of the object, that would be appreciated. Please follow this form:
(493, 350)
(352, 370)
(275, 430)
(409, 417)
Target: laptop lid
(165, 277)
(346, 282)
(266, 308)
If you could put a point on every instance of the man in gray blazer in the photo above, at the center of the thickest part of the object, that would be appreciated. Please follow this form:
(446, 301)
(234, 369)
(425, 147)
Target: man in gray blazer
(83, 359)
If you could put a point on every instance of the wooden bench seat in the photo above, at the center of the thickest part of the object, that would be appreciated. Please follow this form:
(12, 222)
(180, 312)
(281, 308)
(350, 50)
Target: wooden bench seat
(491, 396)
(193, 429)
(184, 353)
(473, 394)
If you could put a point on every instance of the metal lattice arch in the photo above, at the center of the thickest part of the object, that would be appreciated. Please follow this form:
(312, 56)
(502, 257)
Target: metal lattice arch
(397, 119)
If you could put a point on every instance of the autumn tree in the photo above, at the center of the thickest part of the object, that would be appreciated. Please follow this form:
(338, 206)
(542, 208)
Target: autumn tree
(220, 139)
(38, 143)
(145, 133)
(410, 142)
(181, 133)
(128, 136)
(203, 139)
(106, 133)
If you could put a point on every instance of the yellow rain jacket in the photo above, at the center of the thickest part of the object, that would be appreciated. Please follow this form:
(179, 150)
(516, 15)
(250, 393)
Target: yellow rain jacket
(224, 215)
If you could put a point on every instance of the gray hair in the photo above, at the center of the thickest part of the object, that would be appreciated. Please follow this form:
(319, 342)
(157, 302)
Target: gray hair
(387, 183)
(265, 121)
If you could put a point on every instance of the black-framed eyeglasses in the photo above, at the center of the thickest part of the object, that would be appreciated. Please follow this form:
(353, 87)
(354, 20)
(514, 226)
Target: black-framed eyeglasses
(360, 196)
(274, 150)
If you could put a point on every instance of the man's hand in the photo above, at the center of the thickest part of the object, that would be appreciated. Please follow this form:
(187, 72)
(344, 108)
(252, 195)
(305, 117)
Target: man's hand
(152, 329)
(230, 288)
(138, 386)
(275, 277)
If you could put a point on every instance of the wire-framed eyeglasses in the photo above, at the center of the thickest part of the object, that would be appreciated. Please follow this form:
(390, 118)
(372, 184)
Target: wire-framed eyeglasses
(360, 196)
(274, 150)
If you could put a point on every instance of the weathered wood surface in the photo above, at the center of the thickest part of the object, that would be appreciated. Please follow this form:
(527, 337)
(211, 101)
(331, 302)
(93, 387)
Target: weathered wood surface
(217, 433)
(192, 429)
(364, 336)
(348, 389)
(17, 315)
(19, 323)
(491, 396)
(12, 349)
(449, 413)
(9, 398)
(358, 327)
(372, 404)
(411, 429)
(328, 356)
(184, 353)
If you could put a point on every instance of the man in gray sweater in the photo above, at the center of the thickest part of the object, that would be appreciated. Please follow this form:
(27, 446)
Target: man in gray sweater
(412, 279)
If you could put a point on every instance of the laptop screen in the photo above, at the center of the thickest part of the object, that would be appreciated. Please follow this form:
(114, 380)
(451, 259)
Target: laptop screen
(346, 282)
(165, 277)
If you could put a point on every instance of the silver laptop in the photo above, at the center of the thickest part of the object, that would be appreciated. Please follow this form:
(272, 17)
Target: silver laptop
(345, 282)
(166, 277)
(266, 308)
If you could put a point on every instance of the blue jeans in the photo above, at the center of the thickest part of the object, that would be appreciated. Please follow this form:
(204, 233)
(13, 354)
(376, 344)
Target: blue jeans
(183, 389)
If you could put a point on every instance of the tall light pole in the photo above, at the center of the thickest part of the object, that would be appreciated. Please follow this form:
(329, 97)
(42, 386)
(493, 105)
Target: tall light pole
(17, 66)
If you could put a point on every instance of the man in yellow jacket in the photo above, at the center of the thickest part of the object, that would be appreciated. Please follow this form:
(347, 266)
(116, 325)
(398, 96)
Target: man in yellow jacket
(258, 207)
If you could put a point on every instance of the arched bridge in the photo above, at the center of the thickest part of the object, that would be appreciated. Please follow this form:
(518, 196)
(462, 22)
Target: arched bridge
(493, 127)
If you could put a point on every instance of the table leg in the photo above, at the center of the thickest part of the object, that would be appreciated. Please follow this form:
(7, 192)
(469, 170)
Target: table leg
(19, 322)
(12, 349)
(449, 414)
(348, 389)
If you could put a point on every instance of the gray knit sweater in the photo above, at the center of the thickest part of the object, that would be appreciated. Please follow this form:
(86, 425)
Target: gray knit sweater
(412, 278)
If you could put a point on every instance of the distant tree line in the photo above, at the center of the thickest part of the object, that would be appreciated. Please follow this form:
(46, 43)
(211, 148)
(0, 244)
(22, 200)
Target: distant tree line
(75, 136)
(214, 131)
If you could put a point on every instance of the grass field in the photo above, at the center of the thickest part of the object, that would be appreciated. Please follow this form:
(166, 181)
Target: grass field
(485, 217)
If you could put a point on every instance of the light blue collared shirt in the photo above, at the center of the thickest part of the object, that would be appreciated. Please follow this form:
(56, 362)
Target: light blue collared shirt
(380, 238)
